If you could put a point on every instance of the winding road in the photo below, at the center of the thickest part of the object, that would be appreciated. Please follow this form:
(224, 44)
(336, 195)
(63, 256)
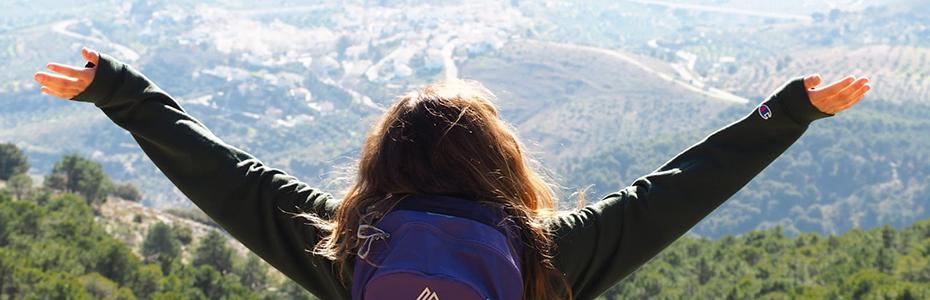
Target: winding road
(123, 52)
(709, 92)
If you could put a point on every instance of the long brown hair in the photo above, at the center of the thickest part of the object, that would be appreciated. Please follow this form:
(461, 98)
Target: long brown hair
(449, 139)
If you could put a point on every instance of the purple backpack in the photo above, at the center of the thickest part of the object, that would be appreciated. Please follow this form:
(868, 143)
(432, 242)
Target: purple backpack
(438, 248)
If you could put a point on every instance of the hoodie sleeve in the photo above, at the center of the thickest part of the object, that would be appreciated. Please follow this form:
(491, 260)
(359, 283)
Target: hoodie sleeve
(256, 204)
(602, 243)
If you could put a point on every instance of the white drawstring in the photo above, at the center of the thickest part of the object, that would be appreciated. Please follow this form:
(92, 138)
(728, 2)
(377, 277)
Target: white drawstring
(369, 234)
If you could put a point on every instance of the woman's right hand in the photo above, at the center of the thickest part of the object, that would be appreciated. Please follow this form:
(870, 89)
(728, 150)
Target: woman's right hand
(837, 96)
(68, 81)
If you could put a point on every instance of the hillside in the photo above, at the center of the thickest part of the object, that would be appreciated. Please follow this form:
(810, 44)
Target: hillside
(128, 222)
(601, 91)
(574, 100)
(862, 169)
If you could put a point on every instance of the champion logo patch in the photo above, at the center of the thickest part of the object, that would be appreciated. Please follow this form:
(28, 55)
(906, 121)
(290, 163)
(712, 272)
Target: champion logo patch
(765, 112)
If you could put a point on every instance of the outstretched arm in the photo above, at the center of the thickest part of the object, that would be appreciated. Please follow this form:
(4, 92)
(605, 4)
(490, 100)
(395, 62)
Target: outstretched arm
(604, 242)
(253, 202)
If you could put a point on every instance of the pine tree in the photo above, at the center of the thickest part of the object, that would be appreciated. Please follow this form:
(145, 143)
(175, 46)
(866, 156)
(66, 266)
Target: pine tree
(253, 273)
(161, 246)
(214, 252)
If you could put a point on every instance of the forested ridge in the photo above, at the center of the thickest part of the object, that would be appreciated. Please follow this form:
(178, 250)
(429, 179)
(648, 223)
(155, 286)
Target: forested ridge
(880, 263)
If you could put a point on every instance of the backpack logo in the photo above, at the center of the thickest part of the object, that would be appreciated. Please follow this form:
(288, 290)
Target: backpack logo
(426, 294)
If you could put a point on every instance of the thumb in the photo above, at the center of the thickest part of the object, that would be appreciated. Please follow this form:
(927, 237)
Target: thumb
(812, 81)
(90, 55)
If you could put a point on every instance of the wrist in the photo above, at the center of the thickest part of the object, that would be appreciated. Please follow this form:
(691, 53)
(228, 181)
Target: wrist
(107, 78)
(795, 100)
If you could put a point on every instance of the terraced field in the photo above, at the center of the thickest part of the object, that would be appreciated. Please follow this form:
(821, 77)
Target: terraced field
(573, 100)
(900, 73)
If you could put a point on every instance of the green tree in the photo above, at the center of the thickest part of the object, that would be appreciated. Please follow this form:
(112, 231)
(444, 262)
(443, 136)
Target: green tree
(214, 252)
(885, 261)
(21, 186)
(99, 287)
(253, 274)
(145, 280)
(5, 195)
(116, 261)
(79, 175)
(58, 286)
(160, 246)
(6, 222)
(216, 286)
(12, 161)
(127, 191)
(7, 269)
(180, 285)
(183, 233)
(704, 271)
(293, 291)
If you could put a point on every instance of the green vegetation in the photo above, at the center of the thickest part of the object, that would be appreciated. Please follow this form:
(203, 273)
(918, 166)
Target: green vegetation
(126, 190)
(12, 161)
(766, 264)
(75, 174)
(865, 168)
(20, 185)
(193, 214)
(214, 252)
(161, 246)
(52, 248)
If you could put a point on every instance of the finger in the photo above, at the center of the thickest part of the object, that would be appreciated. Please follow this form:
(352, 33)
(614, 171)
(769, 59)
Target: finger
(856, 97)
(54, 93)
(846, 94)
(55, 81)
(65, 70)
(812, 81)
(838, 86)
(90, 55)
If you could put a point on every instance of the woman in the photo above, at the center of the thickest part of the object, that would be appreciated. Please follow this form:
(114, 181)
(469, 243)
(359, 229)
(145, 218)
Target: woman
(447, 139)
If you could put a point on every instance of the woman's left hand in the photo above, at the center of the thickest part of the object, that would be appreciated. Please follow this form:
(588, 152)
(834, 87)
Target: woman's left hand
(837, 96)
(68, 81)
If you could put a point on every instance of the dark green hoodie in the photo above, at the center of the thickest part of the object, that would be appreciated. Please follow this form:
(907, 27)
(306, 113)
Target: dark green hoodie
(596, 246)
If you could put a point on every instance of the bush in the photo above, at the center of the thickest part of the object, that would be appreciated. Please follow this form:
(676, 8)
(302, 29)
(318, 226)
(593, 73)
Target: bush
(184, 234)
(126, 191)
